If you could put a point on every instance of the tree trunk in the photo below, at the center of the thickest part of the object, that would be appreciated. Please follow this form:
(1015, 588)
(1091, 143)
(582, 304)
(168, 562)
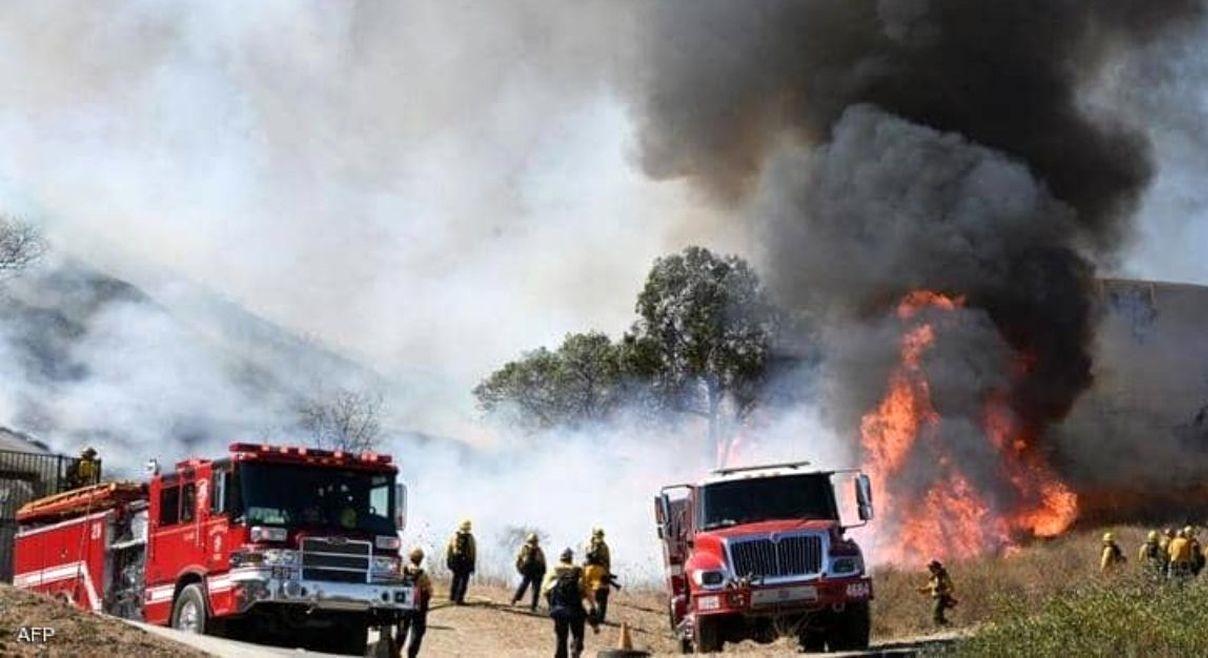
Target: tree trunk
(714, 423)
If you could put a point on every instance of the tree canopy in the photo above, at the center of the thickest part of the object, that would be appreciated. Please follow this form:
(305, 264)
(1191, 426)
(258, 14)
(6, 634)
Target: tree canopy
(701, 346)
(578, 382)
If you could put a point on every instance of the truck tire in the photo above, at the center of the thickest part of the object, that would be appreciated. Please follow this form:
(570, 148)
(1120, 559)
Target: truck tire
(385, 647)
(189, 612)
(851, 628)
(352, 641)
(812, 641)
(708, 636)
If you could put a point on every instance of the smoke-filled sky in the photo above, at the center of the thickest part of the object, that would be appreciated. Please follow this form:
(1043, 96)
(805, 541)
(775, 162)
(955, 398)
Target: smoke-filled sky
(433, 187)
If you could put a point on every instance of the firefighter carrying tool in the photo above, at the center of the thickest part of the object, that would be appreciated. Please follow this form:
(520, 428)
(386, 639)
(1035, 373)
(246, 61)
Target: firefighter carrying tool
(226, 546)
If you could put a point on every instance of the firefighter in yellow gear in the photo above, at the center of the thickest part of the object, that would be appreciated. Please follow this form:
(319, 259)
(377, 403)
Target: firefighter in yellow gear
(530, 564)
(461, 558)
(939, 587)
(1111, 556)
(1150, 556)
(84, 471)
(415, 621)
(597, 567)
(1180, 556)
(566, 589)
(1197, 551)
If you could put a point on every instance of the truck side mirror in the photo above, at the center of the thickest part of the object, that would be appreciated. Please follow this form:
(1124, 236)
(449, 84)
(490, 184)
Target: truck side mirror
(400, 506)
(864, 497)
(662, 512)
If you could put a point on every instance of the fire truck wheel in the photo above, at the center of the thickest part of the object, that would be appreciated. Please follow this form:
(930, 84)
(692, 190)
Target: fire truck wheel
(189, 613)
(708, 636)
(851, 628)
(351, 640)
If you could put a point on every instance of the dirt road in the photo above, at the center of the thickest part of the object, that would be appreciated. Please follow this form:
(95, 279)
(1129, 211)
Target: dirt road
(488, 626)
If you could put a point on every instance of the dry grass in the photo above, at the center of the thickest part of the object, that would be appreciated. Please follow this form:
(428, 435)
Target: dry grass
(1036, 573)
(1044, 569)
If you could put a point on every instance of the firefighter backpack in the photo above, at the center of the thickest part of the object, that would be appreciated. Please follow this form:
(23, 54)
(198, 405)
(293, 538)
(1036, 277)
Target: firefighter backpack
(565, 595)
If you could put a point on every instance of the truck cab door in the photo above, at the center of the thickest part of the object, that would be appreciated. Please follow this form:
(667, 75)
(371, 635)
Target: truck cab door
(212, 503)
(672, 511)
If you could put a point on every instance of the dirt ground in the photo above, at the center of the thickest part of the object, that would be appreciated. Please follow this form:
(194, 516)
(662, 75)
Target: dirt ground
(488, 625)
(76, 633)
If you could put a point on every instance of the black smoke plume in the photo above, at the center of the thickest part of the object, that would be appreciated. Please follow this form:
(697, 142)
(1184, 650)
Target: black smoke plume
(901, 144)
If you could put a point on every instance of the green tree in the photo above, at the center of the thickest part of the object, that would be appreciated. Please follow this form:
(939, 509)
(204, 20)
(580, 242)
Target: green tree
(579, 382)
(703, 338)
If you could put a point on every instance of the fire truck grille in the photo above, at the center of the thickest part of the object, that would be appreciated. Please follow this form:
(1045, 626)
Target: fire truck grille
(342, 562)
(799, 555)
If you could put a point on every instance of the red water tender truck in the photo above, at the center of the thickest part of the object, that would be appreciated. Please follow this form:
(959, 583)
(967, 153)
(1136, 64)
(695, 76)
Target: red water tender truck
(760, 552)
(272, 544)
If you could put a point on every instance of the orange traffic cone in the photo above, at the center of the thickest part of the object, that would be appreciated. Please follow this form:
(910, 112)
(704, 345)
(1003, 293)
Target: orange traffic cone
(625, 643)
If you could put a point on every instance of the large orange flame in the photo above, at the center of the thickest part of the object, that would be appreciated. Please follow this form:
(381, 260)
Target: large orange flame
(949, 517)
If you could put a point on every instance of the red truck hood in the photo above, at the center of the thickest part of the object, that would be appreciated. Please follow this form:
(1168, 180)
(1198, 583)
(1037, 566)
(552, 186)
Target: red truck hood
(766, 527)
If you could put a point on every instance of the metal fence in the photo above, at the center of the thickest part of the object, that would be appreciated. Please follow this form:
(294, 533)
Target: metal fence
(26, 476)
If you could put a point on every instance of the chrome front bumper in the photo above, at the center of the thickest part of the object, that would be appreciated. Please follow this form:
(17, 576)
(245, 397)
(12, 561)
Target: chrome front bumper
(286, 586)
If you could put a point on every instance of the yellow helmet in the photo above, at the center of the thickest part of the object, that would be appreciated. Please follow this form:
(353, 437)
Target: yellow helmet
(1189, 531)
(416, 555)
(531, 539)
(1153, 536)
(597, 532)
(1107, 536)
(465, 525)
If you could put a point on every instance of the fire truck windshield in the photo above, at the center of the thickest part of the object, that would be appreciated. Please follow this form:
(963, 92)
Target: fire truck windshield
(297, 496)
(748, 500)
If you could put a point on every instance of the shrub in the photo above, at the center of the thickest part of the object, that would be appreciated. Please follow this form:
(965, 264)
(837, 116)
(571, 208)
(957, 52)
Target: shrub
(1126, 616)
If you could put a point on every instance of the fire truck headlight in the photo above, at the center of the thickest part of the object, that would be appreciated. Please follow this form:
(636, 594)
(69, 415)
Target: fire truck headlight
(385, 564)
(846, 565)
(710, 579)
(280, 557)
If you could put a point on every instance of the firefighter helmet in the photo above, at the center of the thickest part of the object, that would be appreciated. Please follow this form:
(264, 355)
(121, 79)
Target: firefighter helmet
(531, 539)
(1108, 537)
(597, 532)
(416, 555)
(464, 526)
(1153, 536)
(568, 555)
(88, 453)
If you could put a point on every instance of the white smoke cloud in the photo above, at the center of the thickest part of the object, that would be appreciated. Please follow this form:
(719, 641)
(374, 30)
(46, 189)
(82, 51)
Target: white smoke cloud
(398, 181)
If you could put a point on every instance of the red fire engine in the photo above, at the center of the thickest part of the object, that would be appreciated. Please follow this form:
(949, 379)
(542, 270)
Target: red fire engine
(270, 544)
(754, 553)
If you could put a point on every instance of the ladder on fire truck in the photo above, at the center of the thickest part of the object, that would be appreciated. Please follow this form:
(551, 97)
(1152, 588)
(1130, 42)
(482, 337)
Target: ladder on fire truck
(93, 498)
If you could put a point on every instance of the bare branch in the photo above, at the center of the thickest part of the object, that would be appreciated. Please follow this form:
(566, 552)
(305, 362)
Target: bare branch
(21, 245)
(348, 420)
